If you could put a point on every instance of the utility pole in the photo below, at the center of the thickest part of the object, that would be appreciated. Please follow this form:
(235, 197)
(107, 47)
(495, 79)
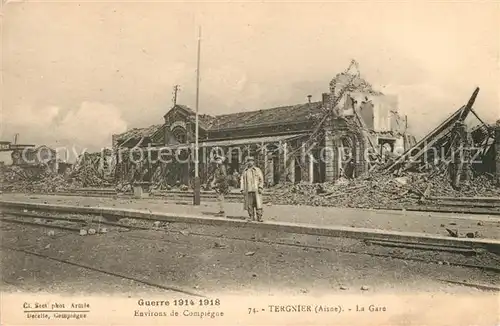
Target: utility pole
(176, 90)
(197, 185)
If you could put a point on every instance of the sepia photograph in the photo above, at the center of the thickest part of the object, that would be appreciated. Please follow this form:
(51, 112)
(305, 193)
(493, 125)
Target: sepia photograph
(250, 163)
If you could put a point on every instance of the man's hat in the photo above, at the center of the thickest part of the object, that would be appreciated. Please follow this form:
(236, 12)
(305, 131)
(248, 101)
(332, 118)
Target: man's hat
(249, 158)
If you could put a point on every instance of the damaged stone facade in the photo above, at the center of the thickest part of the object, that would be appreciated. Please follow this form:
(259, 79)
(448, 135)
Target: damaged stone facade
(42, 155)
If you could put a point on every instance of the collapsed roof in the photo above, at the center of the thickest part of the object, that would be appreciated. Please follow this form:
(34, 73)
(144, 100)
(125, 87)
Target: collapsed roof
(138, 133)
(277, 115)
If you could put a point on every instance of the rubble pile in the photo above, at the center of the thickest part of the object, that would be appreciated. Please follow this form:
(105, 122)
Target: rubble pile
(33, 179)
(368, 192)
(39, 178)
(49, 183)
(90, 171)
(87, 176)
(482, 186)
(379, 190)
(159, 178)
(123, 188)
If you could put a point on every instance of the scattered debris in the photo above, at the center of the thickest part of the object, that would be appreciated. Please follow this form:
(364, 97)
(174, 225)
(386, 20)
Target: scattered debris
(91, 231)
(51, 233)
(344, 287)
(365, 288)
(342, 182)
(402, 180)
(379, 191)
(250, 253)
(83, 232)
(90, 170)
(219, 246)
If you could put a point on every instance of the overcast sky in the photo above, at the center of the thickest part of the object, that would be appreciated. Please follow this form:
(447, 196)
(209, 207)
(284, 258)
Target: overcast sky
(77, 73)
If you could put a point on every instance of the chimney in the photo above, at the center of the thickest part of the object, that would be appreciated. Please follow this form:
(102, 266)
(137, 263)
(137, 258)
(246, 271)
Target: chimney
(326, 100)
(309, 98)
(114, 141)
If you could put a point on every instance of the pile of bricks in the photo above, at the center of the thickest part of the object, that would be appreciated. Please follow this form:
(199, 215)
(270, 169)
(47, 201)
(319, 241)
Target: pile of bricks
(91, 171)
(32, 179)
(378, 190)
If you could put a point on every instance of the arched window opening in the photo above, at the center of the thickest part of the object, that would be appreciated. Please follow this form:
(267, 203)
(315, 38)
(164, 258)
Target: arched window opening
(180, 135)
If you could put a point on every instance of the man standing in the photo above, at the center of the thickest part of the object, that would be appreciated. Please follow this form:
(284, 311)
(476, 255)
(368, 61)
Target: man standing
(252, 184)
(220, 183)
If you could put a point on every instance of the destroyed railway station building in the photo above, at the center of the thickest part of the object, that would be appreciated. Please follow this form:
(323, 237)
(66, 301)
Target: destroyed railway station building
(281, 131)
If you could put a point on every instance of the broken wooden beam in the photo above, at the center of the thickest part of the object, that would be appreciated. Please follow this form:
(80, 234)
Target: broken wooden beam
(437, 134)
(429, 140)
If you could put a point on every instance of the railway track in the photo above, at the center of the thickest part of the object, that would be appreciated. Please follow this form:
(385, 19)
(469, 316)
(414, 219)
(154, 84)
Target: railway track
(112, 214)
(77, 224)
(102, 271)
(73, 224)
